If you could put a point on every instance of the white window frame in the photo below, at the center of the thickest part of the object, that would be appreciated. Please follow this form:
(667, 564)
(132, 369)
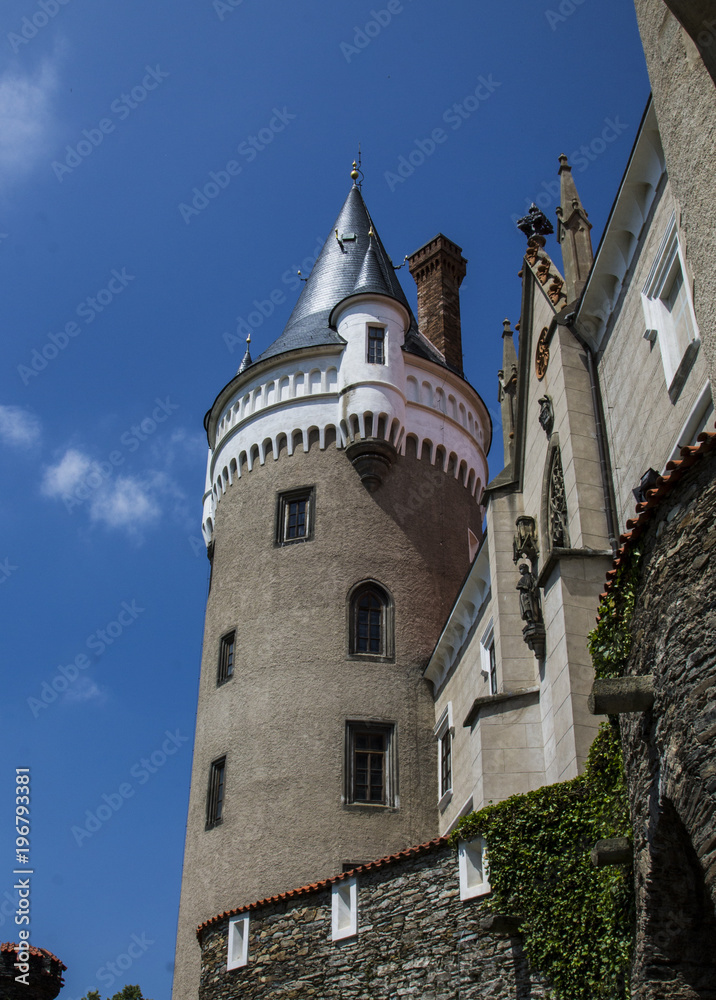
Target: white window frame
(444, 728)
(344, 909)
(676, 361)
(473, 868)
(238, 950)
(488, 640)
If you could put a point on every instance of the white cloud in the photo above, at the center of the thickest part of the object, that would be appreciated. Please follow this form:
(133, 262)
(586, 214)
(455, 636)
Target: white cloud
(18, 427)
(125, 503)
(67, 475)
(85, 690)
(25, 117)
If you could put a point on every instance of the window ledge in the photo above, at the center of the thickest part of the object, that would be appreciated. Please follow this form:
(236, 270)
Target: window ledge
(496, 699)
(445, 800)
(682, 372)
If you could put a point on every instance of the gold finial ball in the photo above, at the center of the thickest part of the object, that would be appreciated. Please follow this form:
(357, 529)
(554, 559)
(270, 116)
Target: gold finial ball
(354, 172)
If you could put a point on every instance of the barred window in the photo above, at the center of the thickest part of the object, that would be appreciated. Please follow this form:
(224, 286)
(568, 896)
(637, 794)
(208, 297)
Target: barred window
(370, 778)
(376, 345)
(226, 657)
(371, 627)
(215, 794)
(294, 516)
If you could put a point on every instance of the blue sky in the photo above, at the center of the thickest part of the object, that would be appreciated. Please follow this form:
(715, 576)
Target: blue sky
(126, 294)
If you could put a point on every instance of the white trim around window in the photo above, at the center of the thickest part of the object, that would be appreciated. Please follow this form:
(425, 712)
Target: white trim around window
(444, 732)
(472, 864)
(344, 909)
(669, 312)
(238, 951)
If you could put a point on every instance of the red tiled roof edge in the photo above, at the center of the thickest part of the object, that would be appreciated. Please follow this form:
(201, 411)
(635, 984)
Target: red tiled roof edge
(10, 946)
(305, 890)
(690, 455)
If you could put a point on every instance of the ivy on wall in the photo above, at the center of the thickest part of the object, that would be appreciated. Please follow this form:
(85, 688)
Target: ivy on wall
(610, 642)
(577, 920)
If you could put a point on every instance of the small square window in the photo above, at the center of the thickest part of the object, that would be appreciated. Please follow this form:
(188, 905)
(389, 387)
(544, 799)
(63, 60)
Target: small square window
(238, 951)
(376, 345)
(226, 657)
(215, 793)
(472, 864)
(344, 909)
(294, 516)
(370, 777)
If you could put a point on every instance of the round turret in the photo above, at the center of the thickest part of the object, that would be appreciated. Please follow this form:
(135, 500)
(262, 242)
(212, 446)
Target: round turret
(40, 972)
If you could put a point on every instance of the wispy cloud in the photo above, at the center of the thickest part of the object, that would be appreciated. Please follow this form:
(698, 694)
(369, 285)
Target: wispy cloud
(25, 117)
(128, 502)
(85, 690)
(18, 427)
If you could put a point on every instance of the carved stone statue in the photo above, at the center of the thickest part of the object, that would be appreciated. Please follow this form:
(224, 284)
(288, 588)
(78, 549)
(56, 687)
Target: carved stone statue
(546, 414)
(530, 610)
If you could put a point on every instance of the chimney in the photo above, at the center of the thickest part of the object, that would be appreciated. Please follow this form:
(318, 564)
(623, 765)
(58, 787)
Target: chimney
(438, 269)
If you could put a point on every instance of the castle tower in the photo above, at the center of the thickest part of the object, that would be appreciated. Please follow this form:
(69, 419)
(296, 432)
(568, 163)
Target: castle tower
(344, 468)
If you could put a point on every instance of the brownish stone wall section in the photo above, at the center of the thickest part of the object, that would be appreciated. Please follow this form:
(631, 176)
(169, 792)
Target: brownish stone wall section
(670, 751)
(416, 938)
(281, 720)
(438, 269)
(45, 977)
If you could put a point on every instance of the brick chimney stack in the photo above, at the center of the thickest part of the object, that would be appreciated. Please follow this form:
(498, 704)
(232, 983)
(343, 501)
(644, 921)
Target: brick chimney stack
(438, 269)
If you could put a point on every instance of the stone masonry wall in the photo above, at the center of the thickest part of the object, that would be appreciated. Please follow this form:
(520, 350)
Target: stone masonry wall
(670, 753)
(416, 938)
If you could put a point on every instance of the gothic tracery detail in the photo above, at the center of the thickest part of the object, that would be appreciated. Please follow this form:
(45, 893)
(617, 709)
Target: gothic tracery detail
(558, 518)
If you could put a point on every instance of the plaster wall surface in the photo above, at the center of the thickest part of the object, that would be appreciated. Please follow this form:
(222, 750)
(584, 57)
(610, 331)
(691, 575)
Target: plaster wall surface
(643, 425)
(685, 101)
(281, 719)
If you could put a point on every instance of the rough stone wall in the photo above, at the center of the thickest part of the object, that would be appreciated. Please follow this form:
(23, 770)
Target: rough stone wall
(685, 100)
(670, 755)
(416, 938)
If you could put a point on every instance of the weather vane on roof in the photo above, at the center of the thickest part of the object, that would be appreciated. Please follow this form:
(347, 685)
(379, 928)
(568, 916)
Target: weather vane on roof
(356, 172)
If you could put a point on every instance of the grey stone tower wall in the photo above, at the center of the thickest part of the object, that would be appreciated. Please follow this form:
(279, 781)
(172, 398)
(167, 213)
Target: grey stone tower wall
(281, 720)
(669, 751)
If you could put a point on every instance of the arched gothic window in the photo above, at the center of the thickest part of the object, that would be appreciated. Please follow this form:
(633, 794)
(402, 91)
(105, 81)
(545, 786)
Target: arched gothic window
(370, 621)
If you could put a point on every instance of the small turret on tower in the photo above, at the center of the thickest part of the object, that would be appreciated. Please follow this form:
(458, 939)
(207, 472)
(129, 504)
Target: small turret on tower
(573, 228)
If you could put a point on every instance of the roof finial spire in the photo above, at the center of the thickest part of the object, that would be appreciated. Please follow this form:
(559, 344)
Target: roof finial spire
(356, 172)
(246, 360)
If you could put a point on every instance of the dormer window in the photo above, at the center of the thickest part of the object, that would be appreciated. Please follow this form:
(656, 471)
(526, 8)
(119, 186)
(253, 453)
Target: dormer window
(376, 345)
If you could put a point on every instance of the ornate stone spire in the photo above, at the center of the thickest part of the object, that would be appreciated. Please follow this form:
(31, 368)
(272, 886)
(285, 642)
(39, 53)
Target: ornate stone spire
(573, 228)
(246, 360)
(507, 391)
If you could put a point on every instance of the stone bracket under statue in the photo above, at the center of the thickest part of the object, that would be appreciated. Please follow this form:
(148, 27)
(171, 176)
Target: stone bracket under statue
(372, 458)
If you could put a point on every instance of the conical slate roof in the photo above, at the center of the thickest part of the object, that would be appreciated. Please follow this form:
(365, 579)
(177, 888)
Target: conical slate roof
(352, 261)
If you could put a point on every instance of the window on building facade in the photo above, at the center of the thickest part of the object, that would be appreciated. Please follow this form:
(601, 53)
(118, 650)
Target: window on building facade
(238, 951)
(344, 909)
(376, 345)
(669, 312)
(294, 516)
(371, 621)
(488, 657)
(445, 733)
(215, 793)
(226, 657)
(370, 777)
(472, 865)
